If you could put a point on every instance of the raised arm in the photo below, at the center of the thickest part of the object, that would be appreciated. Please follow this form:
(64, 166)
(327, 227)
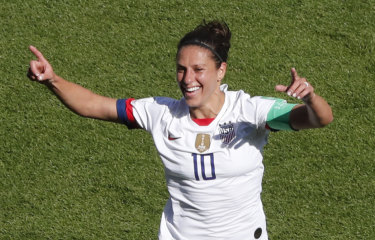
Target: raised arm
(77, 98)
(314, 113)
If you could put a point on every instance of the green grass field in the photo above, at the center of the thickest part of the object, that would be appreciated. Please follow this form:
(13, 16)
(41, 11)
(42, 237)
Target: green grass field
(66, 177)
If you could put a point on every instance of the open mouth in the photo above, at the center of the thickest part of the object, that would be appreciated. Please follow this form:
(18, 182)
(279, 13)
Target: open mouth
(192, 89)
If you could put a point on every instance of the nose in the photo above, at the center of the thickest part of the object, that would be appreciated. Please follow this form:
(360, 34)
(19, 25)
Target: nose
(188, 76)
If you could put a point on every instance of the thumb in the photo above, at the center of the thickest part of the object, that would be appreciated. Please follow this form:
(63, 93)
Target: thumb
(281, 88)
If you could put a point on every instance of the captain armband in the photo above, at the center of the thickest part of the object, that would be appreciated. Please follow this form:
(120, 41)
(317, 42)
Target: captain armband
(278, 116)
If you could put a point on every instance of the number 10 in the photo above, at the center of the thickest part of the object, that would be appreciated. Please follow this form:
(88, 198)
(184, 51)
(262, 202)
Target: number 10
(203, 166)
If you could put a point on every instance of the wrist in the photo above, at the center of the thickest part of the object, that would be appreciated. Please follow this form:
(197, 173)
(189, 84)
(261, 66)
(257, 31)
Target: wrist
(52, 80)
(309, 98)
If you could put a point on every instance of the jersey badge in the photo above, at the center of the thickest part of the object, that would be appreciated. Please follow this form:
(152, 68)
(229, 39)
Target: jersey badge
(202, 142)
(227, 132)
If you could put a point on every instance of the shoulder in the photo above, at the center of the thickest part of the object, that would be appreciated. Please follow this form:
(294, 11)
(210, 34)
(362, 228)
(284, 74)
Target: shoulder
(262, 100)
(249, 108)
(161, 101)
(153, 111)
(234, 95)
(160, 104)
(240, 97)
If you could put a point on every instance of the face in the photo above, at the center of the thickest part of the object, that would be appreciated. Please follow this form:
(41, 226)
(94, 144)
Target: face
(198, 77)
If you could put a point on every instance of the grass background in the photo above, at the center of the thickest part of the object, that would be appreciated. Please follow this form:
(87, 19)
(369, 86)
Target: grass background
(65, 177)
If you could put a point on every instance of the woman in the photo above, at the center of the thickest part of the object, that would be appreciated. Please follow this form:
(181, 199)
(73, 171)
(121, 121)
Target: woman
(210, 141)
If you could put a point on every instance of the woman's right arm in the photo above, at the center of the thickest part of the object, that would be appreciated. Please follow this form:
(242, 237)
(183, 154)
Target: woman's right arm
(77, 98)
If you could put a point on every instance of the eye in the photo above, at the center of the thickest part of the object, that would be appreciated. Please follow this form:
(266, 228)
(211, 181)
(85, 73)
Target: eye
(180, 69)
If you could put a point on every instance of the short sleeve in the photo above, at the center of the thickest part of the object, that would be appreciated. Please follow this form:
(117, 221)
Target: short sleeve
(149, 113)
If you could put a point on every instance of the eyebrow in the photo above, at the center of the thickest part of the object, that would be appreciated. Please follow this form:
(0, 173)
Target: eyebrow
(195, 65)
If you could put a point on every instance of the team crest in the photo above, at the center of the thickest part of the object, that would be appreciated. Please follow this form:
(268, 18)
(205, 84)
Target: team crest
(202, 142)
(227, 132)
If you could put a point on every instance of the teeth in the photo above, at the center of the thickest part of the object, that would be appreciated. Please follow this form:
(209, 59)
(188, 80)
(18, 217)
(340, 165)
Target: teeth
(192, 89)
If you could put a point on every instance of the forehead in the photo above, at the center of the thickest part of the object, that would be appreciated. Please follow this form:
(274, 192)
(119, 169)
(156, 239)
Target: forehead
(194, 54)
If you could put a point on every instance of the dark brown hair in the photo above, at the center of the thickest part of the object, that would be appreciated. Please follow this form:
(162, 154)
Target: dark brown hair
(214, 35)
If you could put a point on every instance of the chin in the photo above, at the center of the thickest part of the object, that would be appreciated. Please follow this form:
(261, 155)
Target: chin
(192, 103)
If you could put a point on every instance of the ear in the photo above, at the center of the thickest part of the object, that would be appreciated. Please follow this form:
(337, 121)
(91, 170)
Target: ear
(221, 71)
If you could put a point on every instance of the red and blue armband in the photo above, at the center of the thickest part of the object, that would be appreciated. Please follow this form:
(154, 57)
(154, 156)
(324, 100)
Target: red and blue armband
(125, 113)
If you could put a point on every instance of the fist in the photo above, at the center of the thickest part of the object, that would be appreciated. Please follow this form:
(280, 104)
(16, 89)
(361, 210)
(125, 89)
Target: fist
(40, 70)
(299, 87)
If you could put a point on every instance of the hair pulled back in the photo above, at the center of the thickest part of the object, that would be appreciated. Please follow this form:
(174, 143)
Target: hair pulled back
(214, 35)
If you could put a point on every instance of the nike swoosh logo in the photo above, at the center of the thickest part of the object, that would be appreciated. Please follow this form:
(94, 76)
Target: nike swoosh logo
(172, 138)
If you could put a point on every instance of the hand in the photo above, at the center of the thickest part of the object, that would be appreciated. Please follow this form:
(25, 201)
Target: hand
(298, 88)
(40, 70)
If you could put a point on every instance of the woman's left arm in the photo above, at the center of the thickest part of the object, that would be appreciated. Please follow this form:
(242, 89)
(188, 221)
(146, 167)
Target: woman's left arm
(314, 113)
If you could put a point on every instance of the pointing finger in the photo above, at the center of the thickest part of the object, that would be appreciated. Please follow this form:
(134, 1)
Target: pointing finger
(294, 83)
(294, 74)
(36, 52)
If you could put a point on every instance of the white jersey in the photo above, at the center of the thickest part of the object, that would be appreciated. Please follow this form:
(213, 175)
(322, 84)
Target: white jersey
(213, 173)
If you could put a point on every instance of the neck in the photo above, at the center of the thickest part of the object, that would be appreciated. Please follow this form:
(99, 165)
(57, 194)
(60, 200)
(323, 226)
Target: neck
(209, 110)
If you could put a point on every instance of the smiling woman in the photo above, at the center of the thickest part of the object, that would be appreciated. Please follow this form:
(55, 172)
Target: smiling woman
(210, 141)
(201, 65)
(200, 81)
